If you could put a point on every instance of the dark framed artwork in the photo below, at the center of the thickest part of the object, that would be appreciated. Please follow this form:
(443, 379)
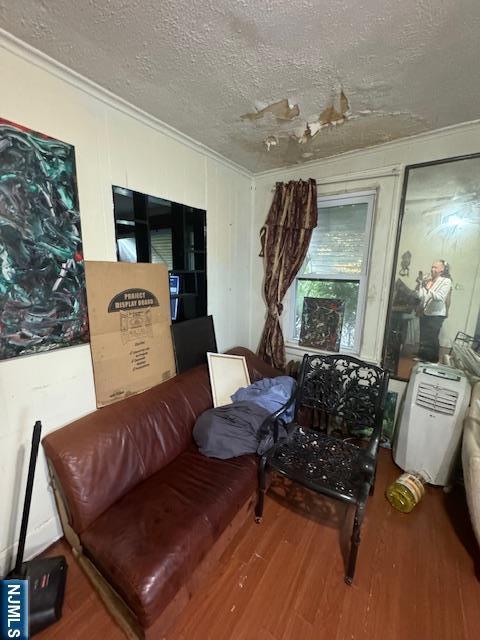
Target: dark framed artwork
(435, 287)
(192, 340)
(42, 282)
(389, 411)
(322, 320)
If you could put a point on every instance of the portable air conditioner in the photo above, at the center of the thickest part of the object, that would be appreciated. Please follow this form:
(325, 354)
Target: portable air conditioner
(431, 421)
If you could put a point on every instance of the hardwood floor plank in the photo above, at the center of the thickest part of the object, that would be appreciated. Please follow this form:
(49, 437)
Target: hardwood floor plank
(297, 627)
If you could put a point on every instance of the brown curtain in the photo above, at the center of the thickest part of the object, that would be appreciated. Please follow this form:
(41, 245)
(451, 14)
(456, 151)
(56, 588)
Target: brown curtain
(285, 239)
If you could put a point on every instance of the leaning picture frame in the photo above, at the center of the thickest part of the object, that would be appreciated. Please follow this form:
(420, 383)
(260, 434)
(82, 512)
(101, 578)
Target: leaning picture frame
(228, 373)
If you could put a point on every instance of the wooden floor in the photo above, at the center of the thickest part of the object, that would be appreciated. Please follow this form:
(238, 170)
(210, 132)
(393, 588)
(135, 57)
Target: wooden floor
(405, 365)
(283, 579)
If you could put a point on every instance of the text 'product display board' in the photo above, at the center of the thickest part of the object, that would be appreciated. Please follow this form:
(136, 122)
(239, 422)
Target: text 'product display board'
(129, 315)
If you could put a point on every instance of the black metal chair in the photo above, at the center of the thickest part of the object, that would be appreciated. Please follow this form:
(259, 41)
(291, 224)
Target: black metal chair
(340, 389)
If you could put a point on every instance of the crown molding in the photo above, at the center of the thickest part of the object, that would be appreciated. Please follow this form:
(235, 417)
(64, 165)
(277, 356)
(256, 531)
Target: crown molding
(28, 53)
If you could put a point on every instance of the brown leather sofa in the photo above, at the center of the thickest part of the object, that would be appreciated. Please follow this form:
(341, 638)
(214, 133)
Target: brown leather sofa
(147, 516)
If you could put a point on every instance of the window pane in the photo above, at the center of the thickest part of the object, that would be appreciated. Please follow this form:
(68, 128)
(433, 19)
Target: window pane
(127, 249)
(338, 242)
(161, 247)
(346, 290)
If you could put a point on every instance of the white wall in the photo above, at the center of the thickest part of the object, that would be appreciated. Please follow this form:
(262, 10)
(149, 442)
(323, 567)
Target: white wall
(114, 144)
(341, 174)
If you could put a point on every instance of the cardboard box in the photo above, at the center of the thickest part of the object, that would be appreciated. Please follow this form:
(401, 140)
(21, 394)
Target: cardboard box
(129, 316)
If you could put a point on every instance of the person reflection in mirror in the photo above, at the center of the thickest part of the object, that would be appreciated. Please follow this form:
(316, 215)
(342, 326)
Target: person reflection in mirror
(434, 294)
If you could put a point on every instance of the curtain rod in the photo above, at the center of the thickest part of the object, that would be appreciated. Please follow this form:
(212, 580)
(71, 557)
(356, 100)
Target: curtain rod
(355, 178)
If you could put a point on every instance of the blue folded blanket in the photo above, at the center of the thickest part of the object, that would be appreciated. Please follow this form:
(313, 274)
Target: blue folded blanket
(269, 393)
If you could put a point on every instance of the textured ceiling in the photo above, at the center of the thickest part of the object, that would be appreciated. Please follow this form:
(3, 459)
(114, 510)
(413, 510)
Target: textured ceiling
(199, 65)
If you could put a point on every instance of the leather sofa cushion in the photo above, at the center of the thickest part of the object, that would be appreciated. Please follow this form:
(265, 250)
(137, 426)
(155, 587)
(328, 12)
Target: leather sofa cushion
(101, 457)
(150, 541)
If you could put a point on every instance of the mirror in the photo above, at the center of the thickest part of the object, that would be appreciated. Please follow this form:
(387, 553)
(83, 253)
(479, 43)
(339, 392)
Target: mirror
(435, 291)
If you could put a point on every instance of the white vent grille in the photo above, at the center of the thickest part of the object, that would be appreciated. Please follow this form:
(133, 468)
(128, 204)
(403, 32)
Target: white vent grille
(435, 398)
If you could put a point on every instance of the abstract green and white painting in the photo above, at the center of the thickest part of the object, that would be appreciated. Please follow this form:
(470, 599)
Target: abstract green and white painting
(42, 282)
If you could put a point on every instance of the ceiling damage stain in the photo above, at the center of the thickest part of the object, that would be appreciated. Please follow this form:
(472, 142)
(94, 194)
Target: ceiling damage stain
(282, 130)
(285, 114)
(329, 117)
(270, 141)
(281, 110)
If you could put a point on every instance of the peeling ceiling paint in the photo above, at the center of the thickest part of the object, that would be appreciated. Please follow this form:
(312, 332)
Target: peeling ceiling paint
(280, 110)
(406, 67)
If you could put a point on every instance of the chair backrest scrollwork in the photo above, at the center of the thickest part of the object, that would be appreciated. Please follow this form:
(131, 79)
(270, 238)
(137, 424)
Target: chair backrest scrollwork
(343, 386)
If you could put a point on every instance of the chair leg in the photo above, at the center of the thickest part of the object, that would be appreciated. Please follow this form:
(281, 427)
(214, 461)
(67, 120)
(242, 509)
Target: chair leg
(372, 486)
(355, 540)
(262, 484)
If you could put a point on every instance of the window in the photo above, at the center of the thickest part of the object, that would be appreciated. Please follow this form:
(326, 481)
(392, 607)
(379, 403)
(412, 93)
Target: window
(336, 265)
